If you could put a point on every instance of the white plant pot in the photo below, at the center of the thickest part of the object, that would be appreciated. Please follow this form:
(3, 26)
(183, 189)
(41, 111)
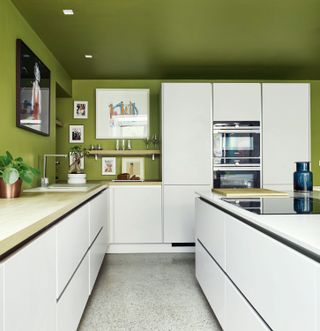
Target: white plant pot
(77, 178)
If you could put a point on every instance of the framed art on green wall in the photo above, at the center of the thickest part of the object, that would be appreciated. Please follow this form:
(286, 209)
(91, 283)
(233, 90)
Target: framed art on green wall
(32, 91)
(122, 113)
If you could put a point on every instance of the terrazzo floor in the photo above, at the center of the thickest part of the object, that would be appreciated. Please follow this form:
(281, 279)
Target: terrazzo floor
(136, 292)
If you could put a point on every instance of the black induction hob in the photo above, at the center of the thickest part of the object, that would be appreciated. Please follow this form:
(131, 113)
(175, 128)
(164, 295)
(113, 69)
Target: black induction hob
(278, 206)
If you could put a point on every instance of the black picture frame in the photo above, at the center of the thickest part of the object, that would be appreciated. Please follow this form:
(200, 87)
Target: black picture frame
(33, 87)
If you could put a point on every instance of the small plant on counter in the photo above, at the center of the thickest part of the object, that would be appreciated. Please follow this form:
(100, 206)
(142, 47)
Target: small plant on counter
(12, 173)
(76, 153)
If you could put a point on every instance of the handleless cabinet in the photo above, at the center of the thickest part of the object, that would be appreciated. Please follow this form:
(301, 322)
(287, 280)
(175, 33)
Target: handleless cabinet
(29, 297)
(72, 244)
(236, 102)
(1, 298)
(285, 130)
(186, 133)
(136, 214)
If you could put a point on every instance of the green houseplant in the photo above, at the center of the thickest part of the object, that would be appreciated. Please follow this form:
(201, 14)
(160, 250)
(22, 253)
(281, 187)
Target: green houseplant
(76, 174)
(12, 173)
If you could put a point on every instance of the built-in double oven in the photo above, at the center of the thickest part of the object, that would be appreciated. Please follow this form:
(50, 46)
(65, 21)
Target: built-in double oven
(236, 154)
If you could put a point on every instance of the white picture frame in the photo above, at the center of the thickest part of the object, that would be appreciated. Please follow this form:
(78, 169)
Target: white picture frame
(76, 134)
(80, 109)
(108, 166)
(72, 158)
(133, 166)
(122, 113)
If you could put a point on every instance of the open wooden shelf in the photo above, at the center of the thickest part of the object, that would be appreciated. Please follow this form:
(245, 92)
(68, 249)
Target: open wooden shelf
(131, 152)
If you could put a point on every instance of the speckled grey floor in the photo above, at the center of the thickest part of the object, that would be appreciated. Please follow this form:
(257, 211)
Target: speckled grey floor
(151, 292)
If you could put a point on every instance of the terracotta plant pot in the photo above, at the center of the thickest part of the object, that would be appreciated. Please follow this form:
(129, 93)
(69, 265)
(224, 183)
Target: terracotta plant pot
(9, 191)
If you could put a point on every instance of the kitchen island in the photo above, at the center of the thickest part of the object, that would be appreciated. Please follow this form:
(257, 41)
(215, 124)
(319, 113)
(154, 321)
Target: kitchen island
(258, 272)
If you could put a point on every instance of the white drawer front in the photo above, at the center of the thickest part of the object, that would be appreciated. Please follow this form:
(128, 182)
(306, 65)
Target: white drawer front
(212, 281)
(30, 288)
(73, 300)
(72, 244)
(1, 297)
(98, 214)
(210, 229)
(278, 281)
(96, 256)
(239, 315)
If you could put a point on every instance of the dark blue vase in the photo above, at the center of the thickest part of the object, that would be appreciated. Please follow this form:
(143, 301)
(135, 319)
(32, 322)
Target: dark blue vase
(302, 178)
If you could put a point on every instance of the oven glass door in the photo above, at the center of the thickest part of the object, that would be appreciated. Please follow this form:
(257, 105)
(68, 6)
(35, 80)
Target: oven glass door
(236, 144)
(237, 179)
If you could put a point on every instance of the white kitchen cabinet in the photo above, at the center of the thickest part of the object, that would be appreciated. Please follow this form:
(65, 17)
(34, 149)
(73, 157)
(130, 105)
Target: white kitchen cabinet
(278, 281)
(236, 102)
(98, 214)
(210, 230)
(212, 281)
(179, 212)
(72, 244)
(30, 286)
(73, 300)
(239, 315)
(186, 133)
(286, 130)
(96, 255)
(137, 214)
(1, 298)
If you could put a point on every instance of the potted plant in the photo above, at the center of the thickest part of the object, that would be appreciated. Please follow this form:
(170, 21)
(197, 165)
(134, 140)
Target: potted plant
(12, 173)
(76, 174)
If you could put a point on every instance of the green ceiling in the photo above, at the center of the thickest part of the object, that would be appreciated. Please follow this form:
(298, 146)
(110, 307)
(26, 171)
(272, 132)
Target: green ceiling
(254, 39)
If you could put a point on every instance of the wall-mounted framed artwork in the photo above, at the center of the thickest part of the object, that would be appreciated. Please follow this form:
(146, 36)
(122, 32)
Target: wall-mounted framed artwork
(122, 113)
(80, 109)
(76, 134)
(72, 160)
(134, 166)
(32, 91)
(108, 165)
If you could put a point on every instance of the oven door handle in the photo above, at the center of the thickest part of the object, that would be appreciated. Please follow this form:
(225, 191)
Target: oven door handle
(237, 168)
(236, 131)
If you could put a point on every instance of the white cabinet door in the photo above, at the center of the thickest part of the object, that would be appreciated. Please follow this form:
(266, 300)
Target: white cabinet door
(239, 315)
(179, 212)
(210, 230)
(98, 214)
(137, 214)
(30, 286)
(73, 300)
(236, 102)
(286, 130)
(96, 256)
(1, 298)
(72, 244)
(278, 281)
(212, 282)
(186, 133)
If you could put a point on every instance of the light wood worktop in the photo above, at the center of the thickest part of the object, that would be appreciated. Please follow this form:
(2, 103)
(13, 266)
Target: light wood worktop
(23, 217)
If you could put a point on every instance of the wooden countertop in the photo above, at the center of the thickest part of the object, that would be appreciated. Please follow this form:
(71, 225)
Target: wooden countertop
(23, 217)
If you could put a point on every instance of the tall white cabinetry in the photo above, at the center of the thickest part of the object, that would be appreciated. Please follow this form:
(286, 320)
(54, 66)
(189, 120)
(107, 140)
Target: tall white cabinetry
(186, 154)
(236, 102)
(286, 130)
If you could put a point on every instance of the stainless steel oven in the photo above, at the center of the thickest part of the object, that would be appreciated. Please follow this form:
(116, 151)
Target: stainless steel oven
(236, 143)
(237, 177)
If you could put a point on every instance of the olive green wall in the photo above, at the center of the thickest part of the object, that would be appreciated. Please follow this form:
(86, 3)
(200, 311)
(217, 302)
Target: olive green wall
(18, 141)
(85, 90)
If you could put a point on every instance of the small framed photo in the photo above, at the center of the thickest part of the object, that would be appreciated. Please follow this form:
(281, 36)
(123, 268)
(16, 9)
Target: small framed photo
(76, 134)
(80, 109)
(133, 166)
(108, 166)
(72, 160)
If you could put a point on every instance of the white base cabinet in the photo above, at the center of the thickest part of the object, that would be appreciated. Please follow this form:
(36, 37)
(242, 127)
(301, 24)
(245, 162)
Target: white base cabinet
(136, 215)
(267, 284)
(30, 286)
(73, 301)
(179, 212)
